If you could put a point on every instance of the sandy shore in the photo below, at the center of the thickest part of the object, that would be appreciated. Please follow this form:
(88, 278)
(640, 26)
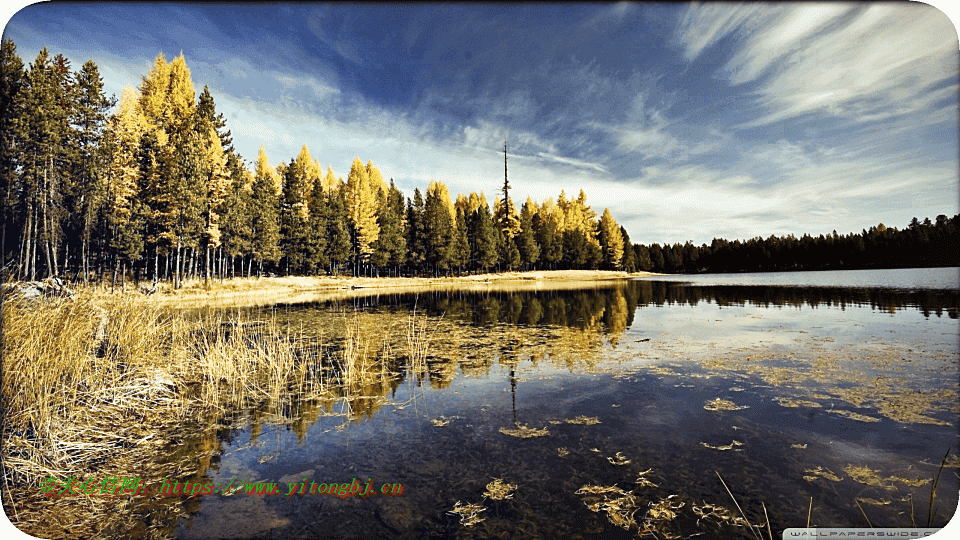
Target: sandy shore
(296, 289)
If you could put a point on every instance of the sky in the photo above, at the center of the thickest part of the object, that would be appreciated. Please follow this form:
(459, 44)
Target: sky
(688, 121)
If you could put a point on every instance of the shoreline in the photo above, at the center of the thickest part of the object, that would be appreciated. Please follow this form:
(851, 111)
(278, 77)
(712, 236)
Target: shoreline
(254, 291)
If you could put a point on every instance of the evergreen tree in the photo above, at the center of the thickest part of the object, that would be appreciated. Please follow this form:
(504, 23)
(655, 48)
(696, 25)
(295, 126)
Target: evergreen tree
(316, 242)
(438, 227)
(238, 211)
(265, 200)
(483, 239)
(548, 237)
(527, 241)
(294, 213)
(88, 194)
(416, 252)
(44, 160)
(629, 260)
(209, 117)
(338, 231)
(461, 246)
(644, 260)
(12, 79)
(391, 246)
(510, 255)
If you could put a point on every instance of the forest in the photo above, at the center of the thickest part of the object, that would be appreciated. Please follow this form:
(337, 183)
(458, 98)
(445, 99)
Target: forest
(151, 187)
(921, 244)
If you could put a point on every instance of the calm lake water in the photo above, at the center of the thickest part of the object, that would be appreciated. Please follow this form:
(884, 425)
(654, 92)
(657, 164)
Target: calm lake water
(839, 388)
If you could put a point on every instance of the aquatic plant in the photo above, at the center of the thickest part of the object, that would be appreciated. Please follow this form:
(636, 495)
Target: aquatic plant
(524, 432)
(499, 490)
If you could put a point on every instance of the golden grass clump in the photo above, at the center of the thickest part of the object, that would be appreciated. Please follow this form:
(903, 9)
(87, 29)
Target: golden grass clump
(820, 472)
(499, 490)
(735, 443)
(469, 513)
(719, 514)
(584, 420)
(524, 432)
(562, 451)
(642, 479)
(793, 403)
(617, 503)
(619, 459)
(723, 405)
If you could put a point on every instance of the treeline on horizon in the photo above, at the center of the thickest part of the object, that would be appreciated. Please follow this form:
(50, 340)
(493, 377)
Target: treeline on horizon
(157, 188)
(921, 244)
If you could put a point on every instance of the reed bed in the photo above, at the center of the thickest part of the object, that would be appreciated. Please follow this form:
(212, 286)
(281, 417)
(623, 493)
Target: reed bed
(96, 386)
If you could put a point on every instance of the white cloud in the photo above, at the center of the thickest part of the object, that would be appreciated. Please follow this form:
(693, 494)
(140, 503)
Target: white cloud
(861, 63)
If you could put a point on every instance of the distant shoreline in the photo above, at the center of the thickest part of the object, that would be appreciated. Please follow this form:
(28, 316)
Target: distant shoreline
(292, 289)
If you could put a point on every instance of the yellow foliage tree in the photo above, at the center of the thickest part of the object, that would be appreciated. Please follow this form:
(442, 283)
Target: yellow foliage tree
(124, 131)
(217, 184)
(264, 170)
(613, 239)
(362, 202)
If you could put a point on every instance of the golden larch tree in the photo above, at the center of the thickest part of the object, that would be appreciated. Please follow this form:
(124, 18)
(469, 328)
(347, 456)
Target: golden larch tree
(362, 202)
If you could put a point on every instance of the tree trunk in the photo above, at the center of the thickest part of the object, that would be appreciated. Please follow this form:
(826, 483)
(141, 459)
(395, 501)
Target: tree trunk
(25, 243)
(176, 266)
(206, 266)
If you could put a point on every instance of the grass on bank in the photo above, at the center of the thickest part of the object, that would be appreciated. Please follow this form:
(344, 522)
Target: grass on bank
(95, 386)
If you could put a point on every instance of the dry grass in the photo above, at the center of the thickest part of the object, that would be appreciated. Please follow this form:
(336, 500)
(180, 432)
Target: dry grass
(524, 432)
(723, 405)
(100, 385)
(499, 490)
(469, 513)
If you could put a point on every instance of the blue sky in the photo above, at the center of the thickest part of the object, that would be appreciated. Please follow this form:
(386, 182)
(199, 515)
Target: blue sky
(688, 121)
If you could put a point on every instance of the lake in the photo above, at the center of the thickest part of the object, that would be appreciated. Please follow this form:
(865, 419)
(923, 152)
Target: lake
(617, 409)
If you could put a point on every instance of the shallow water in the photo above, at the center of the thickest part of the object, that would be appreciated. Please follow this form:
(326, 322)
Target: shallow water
(842, 395)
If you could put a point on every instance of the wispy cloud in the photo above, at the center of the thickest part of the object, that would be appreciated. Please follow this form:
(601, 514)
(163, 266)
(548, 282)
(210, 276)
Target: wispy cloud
(859, 63)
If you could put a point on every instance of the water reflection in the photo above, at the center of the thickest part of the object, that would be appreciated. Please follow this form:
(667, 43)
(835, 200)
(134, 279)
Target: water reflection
(615, 304)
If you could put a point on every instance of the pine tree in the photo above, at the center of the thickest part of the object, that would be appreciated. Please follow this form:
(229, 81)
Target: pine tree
(316, 241)
(338, 232)
(510, 254)
(46, 149)
(390, 246)
(12, 79)
(483, 238)
(461, 246)
(265, 218)
(506, 217)
(88, 196)
(416, 246)
(629, 261)
(549, 239)
(172, 157)
(438, 226)
(526, 240)
(238, 212)
(294, 213)
(207, 113)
